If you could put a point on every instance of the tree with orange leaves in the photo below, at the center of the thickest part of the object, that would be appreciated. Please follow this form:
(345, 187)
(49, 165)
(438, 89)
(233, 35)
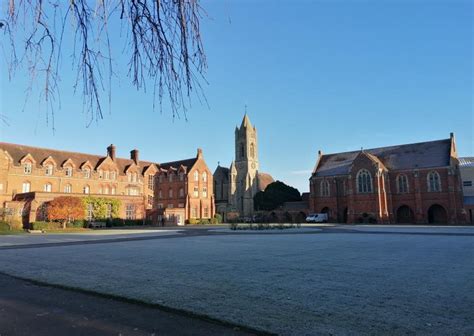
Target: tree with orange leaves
(65, 209)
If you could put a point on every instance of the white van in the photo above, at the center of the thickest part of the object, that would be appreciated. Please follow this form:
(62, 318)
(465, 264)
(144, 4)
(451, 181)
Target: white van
(317, 218)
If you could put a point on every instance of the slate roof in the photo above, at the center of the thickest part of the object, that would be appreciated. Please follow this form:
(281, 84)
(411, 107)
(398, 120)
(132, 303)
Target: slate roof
(17, 152)
(410, 156)
(466, 162)
(222, 171)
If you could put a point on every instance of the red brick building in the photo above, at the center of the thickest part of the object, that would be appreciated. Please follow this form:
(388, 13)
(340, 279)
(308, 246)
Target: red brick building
(413, 183)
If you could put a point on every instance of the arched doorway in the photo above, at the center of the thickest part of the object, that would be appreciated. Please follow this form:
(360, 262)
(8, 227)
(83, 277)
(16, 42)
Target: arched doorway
(405, 215)
(437, 215)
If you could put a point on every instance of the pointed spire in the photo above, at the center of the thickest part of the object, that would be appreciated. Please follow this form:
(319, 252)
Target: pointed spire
(246, 122)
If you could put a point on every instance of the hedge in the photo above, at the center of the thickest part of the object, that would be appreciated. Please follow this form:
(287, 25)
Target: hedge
(4, 226)
(114, 222)
(46, 225)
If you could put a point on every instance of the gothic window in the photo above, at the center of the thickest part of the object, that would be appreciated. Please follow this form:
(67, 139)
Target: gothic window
(196, 192)
(252, 151)
(107, 174)
(434, 182)
(196, 176)
(204, 177)
(106, 190)
(364, 182)
(242, 151)
(113, 190)
(151, 182)
(324, 188)
(402, 183)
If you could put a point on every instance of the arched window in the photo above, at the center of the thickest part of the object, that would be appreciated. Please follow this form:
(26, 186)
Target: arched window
(113, 190)
(26, 187)
(48, 169)
(252, 150)
(434, 182)
(27, 167)
(196, 176)
(68, 188)
(48, 187)
(364, 182)
(86, 189)
(204, 177)
(181, 192)
(68, 171)
(106, 190)
(402, 183)
(181, 176)
(324, 188)
(242, 151)
(87, 172)
(170, 193)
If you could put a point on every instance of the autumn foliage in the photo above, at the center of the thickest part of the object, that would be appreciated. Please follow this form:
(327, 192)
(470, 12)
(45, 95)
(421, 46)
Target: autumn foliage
(65, 209)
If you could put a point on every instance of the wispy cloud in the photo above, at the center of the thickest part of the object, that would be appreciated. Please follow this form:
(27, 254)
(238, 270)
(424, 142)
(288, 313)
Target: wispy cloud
(301, 172)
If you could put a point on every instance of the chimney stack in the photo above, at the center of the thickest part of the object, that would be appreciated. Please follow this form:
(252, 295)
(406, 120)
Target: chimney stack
(111, 152)
(320, 152)
(134, 155)
(199, 153)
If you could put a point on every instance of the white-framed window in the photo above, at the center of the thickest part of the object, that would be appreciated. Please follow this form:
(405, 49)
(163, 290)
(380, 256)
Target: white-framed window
(181, 192)
(196, 176)
(170, 177)
(402, 183)
(86, 189)
(364, 182)
(87, 172)
(68, 171)
(107, 175)
(106, 190)
(26, 187)
(170, 193)
(113, 190)
(434, 182)
(324, 188)
(196, 192)
(204, 191)
(133, 191)
(48, 187)
(151, 182)
(27, 168)
(48, 170)
(68, 188)
(113, 175)
(130, 211)
(204, 177)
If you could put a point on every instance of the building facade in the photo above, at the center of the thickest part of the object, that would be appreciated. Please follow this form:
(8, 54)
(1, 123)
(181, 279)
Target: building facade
(466, 167)
(31, 176)
(184, 191)
(236, 186)
(414, 183)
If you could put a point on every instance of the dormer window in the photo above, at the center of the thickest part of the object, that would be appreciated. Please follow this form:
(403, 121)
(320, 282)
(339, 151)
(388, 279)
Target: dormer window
(113, 175)
(48, 171)
(87, 173)
(181, 176)
(68, 171)
(27, 167)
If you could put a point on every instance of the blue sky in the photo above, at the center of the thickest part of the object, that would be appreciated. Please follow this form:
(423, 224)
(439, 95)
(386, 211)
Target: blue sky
(329, 75)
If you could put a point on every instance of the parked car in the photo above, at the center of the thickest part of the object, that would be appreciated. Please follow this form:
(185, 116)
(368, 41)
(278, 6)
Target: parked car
(317, 218)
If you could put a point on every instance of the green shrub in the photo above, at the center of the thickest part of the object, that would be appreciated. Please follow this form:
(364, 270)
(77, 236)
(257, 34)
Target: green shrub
(4, 226)
(46, 225)
(194, 221)
(78, 223)
(204, 221)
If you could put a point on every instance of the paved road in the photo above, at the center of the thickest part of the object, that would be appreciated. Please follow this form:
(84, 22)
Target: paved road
(30, 309)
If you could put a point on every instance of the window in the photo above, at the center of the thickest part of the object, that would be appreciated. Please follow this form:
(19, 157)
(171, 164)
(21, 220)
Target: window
(170, 206)
(160, 205)
(181, 176)
(196, 176)
(194, 212)
(108, 211)
(170, 193)
(27, 167)
(86, 189)
(130, 211)
(26, 187)
(89, 212)
(204, 177)
(252, 150)
(68, 188)
(467, 183)
(150, 200)
(196, 192)
(132, 191)
(170, 177)
(181, 192)
(134, 177)
(87, 173)
(324, 188)
(48, 169)
(107, 175)
(68, 171)
(181, 205)
(160, 179)
(129, 176)
(113, 190)
(48, 187)
(113, 175)
(434, 184)
(204, 192)
(151, 182)
(206, 212)
(364, 182)
(242, 151)
(100, 190)
(106, 190)
(402, 183)
(160, 194)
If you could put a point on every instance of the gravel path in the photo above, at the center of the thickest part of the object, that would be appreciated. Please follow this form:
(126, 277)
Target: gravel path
(338, 283)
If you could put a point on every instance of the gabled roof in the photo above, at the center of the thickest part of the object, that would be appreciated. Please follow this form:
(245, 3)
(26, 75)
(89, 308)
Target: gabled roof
(222, 171)
(188, 163)
(410, 156)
